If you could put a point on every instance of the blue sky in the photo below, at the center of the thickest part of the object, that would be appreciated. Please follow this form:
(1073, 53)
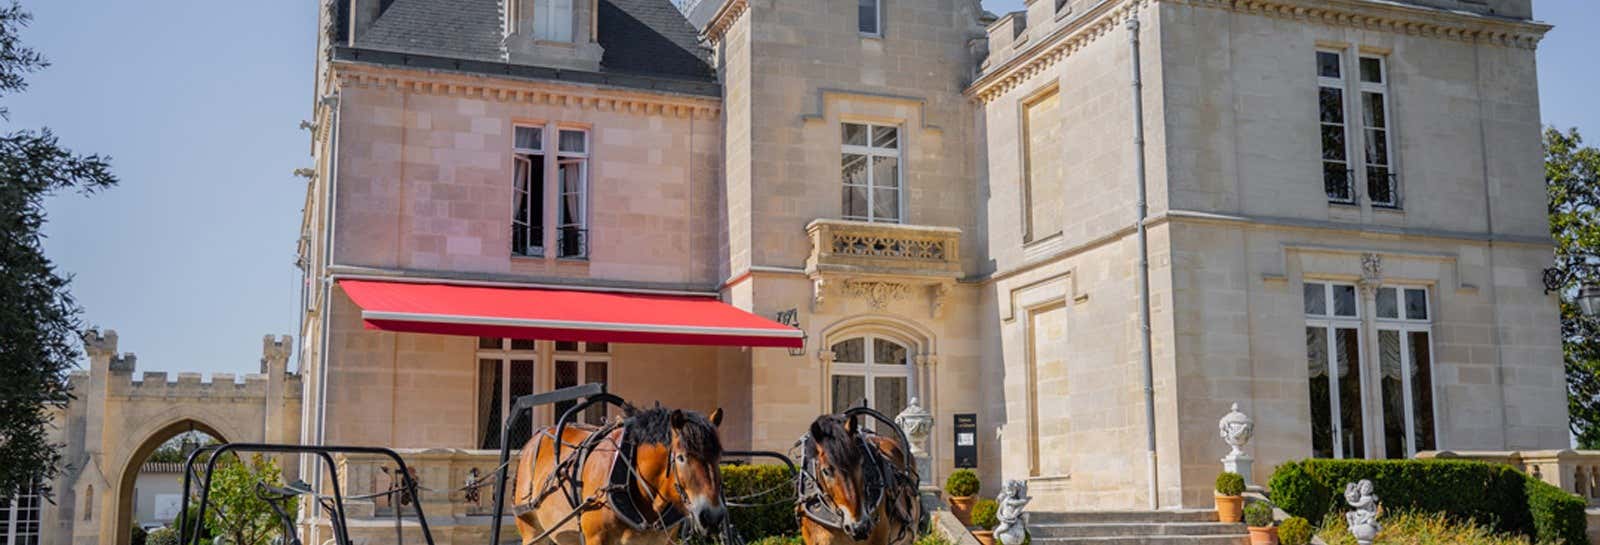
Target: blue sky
(198, 102)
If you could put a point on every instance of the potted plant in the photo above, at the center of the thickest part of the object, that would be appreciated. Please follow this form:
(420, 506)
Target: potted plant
(985, 515)
(1258, 517)
(962, 486)
(1294, 531)
(1229, 497)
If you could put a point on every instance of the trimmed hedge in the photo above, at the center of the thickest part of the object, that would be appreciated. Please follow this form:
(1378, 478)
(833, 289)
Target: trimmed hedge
(1230, 484)
(962, 483)
(1294, 531)
(1493, 495)
(770, 486)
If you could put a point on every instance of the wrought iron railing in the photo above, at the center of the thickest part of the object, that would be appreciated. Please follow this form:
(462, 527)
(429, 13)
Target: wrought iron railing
(527, 241)
(1339, 183)
(572, 242)
(1383, 187)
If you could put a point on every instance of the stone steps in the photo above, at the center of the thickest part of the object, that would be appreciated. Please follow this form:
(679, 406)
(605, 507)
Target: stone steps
(1180, 527)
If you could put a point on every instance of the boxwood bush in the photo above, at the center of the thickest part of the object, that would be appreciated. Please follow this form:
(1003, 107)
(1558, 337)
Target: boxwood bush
(985, 514)
(1492, 495)
(771, 489)
(962, 483)
(1230, 484)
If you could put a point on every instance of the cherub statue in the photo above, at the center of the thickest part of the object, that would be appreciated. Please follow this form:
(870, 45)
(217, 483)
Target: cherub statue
(1363, 516)
(1012, 529)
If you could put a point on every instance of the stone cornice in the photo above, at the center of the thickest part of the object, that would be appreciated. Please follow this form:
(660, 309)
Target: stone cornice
(724, 18)
(434, 82)
(1359, 14)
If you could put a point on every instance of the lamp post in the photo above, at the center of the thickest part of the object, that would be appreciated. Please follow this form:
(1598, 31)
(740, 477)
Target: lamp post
(1588, 298)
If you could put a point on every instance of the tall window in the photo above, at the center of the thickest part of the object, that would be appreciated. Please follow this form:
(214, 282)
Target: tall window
(1405, 360)
(552, 20)
(582, 363)
(19, 518)
(870, 168)
(1381, 186)
(506, 370)
(1336, 175)
(527, 222)
(1333, 359)
(873, 369)
(1043, 182)
(572, 169)
(870, 20)
(570, 183)
(1340, 174)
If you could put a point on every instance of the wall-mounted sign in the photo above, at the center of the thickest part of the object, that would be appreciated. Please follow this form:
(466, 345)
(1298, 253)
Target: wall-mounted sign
(791, 318)
(966, 440)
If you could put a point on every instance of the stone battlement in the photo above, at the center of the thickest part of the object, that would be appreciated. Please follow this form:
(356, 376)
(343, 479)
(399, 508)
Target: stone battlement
(123, 379)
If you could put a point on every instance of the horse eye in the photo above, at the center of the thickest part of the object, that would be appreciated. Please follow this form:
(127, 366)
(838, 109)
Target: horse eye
(682, 458)
(827, 472)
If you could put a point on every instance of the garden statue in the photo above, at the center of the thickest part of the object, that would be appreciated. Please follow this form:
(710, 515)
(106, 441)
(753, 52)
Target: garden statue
(1363, 517)
(1013, 529)
(917, 424)
(1236, 429)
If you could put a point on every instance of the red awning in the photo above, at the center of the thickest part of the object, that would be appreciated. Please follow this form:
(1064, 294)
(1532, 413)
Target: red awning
(561, 315)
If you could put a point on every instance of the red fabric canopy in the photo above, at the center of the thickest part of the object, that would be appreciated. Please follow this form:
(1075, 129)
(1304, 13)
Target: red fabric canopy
(562, 315)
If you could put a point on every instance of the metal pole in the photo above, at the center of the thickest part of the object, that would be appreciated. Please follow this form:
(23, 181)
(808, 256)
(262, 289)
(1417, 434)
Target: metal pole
(1144, 266)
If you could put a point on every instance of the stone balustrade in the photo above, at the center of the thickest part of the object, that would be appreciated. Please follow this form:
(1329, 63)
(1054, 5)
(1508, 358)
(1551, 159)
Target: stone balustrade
(1576, 471)
(441, 475)
(861, 248)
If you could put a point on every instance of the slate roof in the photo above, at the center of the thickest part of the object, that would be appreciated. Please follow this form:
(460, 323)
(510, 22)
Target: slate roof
(641, 37)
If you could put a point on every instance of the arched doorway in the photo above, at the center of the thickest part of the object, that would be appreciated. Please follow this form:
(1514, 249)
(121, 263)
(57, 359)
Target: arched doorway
(123, 518)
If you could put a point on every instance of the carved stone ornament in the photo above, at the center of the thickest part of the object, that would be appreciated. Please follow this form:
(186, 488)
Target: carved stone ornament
(877, 293)
(1363, 516)
(1013, 527)
(819, 293)
(1236, 429)
(917, 424)
(941, 295)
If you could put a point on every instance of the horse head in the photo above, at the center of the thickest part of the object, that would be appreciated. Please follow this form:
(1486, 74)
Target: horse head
(678, 456)
(836, 448)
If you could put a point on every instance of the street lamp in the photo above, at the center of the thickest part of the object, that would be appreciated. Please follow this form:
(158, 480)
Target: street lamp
(1588, 294)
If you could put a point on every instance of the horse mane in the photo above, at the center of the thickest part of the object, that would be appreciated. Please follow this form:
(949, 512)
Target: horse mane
(653, 426)
(828, 432)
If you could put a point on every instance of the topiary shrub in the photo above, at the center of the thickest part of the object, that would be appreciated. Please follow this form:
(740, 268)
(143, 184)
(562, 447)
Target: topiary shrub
(985, 514)
(1557, 514)
(1495, 496)
(1258, 514)
(962, 483)
(1294, 531)
(770, 488)
(1230, 484)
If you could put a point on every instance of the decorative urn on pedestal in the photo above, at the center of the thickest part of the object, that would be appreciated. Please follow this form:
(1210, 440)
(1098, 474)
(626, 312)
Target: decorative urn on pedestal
(1236, 429)
(917, 424)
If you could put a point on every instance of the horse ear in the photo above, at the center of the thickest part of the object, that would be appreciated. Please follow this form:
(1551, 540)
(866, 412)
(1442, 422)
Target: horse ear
(817, 430)
(716, 417)
(677, 418)
(850, 425)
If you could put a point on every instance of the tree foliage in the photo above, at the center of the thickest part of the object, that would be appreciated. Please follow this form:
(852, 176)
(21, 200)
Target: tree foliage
(237, 514)
(1572, 176)
(39, 324)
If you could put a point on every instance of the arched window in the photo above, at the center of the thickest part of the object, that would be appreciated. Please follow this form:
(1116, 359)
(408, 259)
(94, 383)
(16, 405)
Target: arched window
(873, 368)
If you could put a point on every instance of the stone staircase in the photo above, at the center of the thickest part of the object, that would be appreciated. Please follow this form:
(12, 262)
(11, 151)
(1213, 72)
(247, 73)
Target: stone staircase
(1182, 527)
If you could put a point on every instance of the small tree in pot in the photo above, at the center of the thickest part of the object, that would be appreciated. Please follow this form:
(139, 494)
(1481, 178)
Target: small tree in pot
(962, 486)
(1230, 497)
(1258, 517)
(985, 515)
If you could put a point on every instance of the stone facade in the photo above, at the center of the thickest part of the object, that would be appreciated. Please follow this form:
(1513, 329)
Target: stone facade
(1017, 162)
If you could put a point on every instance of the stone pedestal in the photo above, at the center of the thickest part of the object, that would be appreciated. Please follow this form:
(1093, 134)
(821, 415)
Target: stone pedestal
(1238, 462)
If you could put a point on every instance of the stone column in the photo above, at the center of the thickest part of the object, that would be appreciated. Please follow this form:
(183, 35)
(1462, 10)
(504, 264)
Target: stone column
(1371, 370)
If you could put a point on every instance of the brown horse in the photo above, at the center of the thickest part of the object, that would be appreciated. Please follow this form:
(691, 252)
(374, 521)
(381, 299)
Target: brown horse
(633, 484)
(857, 487)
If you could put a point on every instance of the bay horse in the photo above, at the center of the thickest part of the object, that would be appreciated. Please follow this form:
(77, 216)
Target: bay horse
(856, 487)
(633, 481)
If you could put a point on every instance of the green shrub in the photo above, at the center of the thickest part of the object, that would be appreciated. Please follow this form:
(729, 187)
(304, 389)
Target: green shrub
(1230, 484)
(778, 540)
(1495, 496)
(769, 491)
(1413, 528)
(1294, 531)
(1557, 515)
(161, 536)
(984, 514)
(1258, 514)
(933, 537)
(961, 483)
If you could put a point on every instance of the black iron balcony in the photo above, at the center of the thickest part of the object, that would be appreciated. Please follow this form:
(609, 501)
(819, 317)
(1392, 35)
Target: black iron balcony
(1339, 182)
(572, 242)
(1383, 187)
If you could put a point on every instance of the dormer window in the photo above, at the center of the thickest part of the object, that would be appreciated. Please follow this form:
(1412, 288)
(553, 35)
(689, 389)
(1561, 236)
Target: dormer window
(552, 20)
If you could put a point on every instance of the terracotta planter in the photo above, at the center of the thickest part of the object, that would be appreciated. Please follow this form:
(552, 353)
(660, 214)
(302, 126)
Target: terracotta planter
(1230, 509)
(961, 506)
(986, 537)
(1264, 536)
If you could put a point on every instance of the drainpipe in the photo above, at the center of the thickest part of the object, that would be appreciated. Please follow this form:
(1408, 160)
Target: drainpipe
(1144, 266)
(334, 101)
